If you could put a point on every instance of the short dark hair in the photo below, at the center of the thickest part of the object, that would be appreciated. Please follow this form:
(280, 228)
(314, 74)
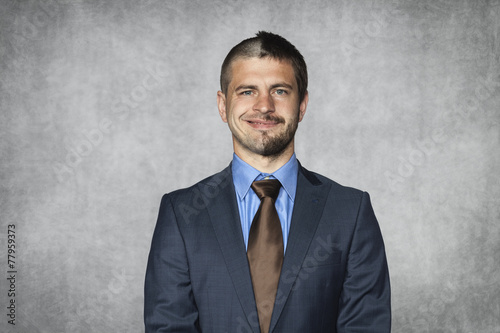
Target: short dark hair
(266, 44)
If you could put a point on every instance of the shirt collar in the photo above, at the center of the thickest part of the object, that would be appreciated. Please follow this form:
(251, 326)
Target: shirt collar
(244, 175)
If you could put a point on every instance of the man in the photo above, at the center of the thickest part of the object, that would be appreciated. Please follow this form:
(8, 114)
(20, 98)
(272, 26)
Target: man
(266, 245)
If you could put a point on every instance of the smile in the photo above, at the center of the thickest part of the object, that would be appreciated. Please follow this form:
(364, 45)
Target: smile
(262, 124)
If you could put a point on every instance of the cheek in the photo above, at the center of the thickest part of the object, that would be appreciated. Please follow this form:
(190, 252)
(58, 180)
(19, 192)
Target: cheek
(236, 111)
(232, 119)
(291, 111)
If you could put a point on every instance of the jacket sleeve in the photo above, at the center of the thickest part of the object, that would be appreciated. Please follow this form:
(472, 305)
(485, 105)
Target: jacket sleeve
(169, 305)
(365, 302)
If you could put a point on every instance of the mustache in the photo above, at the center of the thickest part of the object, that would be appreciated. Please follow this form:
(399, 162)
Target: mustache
(276, 119)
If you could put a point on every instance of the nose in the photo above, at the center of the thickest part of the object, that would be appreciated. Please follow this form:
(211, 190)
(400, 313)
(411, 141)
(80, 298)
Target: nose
(264, 103)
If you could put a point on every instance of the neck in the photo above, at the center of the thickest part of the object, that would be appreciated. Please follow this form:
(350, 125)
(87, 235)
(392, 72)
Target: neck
(266, 164)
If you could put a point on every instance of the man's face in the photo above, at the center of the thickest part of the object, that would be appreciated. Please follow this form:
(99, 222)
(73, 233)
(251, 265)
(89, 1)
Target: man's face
(262, 106)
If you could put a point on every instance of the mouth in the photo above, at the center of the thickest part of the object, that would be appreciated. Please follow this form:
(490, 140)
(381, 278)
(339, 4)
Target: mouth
(263, 124)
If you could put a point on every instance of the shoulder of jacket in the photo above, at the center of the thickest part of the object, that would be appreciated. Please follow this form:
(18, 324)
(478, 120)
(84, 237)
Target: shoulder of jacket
(337, 189)
(220, 179)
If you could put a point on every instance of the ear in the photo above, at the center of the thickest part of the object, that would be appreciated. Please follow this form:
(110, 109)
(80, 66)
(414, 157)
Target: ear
(303, 106)
(221, 104)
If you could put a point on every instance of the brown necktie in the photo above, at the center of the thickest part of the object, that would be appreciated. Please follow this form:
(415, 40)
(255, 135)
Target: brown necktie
(265, 250)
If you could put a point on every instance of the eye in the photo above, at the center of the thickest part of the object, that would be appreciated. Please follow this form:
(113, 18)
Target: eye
(280, 92)
(246, 93)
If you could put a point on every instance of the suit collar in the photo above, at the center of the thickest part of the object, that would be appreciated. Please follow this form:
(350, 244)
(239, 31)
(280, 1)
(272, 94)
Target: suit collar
(224, 216)
(308, 207)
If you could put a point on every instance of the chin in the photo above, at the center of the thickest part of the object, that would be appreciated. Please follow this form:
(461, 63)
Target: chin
(271, 149)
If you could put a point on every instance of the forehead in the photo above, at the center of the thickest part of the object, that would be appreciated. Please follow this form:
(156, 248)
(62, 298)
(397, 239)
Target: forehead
(262, 70)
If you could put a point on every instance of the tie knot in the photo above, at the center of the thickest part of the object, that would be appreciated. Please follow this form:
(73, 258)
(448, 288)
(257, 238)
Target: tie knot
(267, 188)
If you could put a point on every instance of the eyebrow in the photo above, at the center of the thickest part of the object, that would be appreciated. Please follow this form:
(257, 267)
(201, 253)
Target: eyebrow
(245, 87)
(282, 85)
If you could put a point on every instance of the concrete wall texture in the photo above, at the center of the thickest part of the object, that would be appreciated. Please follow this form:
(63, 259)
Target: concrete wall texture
(106, 105)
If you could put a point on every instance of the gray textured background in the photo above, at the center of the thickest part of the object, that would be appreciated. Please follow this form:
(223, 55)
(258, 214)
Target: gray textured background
(106, 105)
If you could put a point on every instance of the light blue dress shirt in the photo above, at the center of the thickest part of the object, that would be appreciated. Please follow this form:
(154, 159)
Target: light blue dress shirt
(248, 202)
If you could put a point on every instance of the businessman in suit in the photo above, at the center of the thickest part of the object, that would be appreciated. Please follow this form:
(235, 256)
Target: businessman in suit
(266, 245)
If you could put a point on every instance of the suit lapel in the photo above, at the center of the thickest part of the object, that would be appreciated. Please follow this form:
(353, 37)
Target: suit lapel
(308, 207)
(225, 220)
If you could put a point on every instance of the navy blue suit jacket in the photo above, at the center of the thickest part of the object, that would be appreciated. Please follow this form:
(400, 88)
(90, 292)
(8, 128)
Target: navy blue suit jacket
(334, 276)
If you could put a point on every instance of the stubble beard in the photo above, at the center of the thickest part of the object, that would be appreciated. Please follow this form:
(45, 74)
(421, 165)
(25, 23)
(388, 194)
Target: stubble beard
(268, 145)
